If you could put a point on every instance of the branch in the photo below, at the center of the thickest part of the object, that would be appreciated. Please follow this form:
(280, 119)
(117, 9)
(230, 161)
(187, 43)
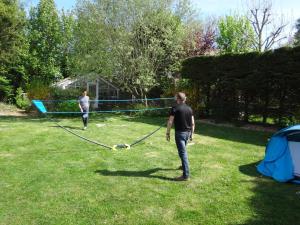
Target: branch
(271, 39)
(255, 23)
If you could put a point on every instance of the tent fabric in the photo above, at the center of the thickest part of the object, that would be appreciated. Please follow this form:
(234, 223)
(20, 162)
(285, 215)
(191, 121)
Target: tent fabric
(282, 159)
(285, 131)
(278, 161)
(295, 153)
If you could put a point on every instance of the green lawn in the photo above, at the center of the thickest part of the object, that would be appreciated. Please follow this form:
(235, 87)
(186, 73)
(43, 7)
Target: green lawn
(48, 176)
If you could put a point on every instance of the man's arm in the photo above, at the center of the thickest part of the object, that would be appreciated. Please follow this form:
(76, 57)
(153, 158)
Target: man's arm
(169, 126)
(193, 128)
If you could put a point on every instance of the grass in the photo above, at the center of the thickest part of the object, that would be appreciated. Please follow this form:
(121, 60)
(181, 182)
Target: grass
(48, 176)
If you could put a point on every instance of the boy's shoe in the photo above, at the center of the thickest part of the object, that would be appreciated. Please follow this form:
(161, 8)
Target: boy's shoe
(84, 128)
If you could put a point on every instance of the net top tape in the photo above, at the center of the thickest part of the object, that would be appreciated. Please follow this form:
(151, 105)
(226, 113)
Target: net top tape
(41, 108)
(112, 100)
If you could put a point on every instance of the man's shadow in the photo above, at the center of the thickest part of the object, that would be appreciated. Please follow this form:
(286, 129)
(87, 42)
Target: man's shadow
(145, 173)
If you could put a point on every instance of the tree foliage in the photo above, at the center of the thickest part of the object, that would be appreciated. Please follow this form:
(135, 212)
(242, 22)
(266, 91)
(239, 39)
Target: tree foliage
(200, 38)
(45, 39)
(5, 88)
(13, 47)
(67, 24)
(140, 42)
(94, 35)
(235, 35)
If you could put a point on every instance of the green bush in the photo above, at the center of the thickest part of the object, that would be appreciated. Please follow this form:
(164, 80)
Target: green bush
(139, 109)
(144, 112)
(68, 101)
(66, 106)
(22, 100)
(38, 89)
(64, 94)
(5, 89)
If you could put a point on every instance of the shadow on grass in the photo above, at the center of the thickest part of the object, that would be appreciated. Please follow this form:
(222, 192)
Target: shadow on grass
(250, 169)
(235, 134)
(28, 119)
(145, 173)
(272, 202)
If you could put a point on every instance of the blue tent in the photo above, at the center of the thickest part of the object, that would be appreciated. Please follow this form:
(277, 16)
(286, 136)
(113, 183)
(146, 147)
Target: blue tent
(282, 159)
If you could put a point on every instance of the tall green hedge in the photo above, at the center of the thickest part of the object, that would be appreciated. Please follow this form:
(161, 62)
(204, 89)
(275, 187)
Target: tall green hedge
(237, 86)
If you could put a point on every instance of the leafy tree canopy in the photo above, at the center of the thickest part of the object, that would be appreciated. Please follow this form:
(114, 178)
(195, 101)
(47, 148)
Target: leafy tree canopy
(235, 35)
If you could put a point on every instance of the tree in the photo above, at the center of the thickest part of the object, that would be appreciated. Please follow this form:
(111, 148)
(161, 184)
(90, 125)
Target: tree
(185, 11)
(262, 19)
(235, 35)
(67, 43)
(96, 34)
(134, 43)
(200, 39)
(297, 34)
(153, 51)
(45, 42)
(5, 88)
(13, 47)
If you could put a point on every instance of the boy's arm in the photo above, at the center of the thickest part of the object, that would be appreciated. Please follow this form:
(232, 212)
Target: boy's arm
(79, 106)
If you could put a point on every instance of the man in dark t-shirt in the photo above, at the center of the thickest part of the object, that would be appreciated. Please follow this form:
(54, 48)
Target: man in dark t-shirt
(182, 116)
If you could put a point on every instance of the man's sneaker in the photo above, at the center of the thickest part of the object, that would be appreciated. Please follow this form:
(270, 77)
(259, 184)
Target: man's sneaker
(84, 128)
(181, 178)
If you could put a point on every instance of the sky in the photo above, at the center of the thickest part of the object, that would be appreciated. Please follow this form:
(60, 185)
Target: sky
(61, 4)
(289, 8)
(221, 7)
(209, 7)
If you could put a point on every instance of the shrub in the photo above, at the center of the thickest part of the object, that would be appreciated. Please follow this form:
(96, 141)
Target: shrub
(65, 100)
(64, 94)
(22, 100)
(5, 89)
(38, 89)
(145, 112)
(67, 106)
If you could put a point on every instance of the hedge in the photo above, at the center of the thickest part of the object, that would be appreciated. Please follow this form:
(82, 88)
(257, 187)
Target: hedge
(237, 86)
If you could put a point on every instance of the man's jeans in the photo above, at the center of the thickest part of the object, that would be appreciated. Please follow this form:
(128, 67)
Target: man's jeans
(181, 139)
